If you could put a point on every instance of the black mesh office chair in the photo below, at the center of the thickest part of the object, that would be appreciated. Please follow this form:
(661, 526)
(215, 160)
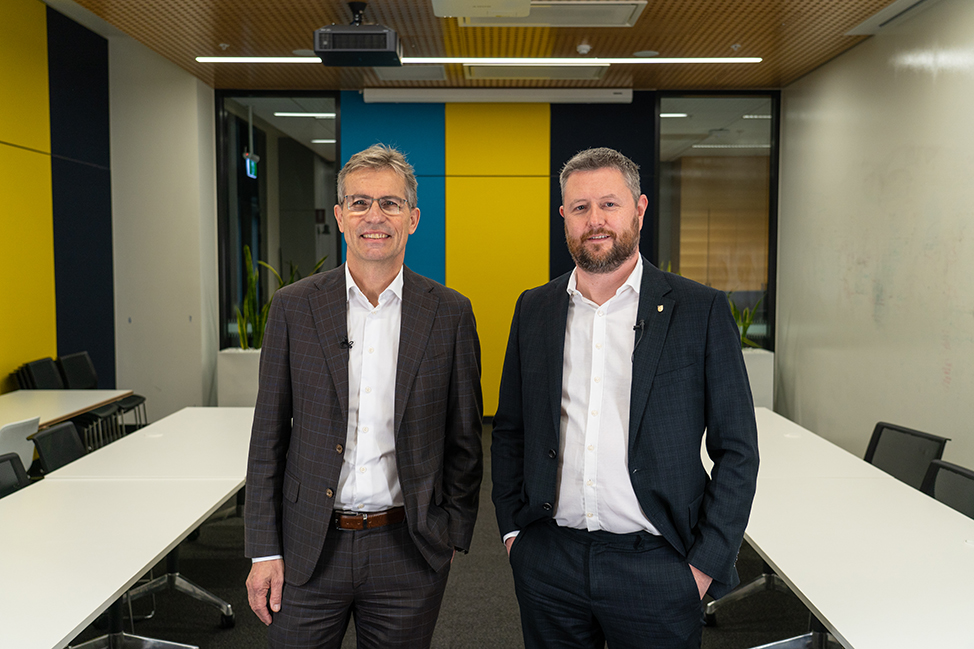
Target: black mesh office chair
(904, 453)
(952, 485)
(79, 374)
(58, 445)
(44, 375)
(13, 477)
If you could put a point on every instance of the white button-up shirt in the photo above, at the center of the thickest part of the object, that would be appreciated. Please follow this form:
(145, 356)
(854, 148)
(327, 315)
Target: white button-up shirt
(594, 491)
(369, 480)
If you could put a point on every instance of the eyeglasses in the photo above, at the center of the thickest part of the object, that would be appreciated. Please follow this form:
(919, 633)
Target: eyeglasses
(390, 205)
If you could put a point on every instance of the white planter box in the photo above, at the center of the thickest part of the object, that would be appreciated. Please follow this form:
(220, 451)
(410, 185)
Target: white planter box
(237, 371)
(760, 373)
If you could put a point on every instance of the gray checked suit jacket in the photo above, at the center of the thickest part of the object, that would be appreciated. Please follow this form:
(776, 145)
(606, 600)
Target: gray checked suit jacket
(688, 376)
(301, 416)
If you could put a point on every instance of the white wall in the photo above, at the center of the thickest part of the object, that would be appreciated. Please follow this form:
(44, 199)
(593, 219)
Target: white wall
(876, 236)
(165, 240)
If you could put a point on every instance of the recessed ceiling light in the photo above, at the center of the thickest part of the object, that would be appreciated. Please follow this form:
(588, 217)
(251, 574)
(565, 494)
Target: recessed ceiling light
(322, 141)
(315, 115)
(757, 116)
(673, 115)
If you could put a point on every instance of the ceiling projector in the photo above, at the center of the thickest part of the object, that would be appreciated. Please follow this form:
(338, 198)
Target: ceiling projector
(358, 44)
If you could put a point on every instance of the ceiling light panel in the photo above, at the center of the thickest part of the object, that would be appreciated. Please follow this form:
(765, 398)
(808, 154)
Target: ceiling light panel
(569, 13)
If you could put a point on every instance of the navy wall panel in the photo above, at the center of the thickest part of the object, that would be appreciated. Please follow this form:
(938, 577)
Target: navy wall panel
(628, 128)
(81, 192)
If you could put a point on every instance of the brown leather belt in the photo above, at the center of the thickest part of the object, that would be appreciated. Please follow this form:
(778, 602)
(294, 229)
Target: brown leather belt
(368, 520)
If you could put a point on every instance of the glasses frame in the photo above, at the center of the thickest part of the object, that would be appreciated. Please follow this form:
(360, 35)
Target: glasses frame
(402, 202)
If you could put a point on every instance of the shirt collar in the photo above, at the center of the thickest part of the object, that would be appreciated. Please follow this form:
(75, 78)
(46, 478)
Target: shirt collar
(634, 281)
(395, 288)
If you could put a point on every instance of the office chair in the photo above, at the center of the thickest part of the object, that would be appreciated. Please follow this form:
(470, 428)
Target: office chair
(13, 477)
(14, 439)
(58, 445)
(952, 485)
(79, 374)
(904, 453)
(43, 374)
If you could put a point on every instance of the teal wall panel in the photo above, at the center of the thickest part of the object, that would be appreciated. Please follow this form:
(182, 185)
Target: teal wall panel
(418, 131)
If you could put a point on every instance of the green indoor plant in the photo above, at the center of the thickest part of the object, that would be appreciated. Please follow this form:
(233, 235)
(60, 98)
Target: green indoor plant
(252, 319)
(744, 320)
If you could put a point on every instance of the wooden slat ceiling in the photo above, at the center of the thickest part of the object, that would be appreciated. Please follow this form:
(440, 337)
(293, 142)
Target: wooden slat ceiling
(792, 36)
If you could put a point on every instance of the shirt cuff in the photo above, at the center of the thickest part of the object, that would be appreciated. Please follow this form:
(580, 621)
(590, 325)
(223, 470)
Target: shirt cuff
(270, 558)
(510, 535)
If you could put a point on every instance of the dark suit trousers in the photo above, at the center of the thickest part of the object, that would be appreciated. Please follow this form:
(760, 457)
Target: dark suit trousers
(379, 577)
(579, 590)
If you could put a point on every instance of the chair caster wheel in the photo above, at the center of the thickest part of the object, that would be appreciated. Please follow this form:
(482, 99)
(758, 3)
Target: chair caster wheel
(227, 621)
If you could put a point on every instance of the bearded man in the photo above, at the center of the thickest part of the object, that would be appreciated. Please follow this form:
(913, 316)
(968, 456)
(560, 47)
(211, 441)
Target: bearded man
(613, 372)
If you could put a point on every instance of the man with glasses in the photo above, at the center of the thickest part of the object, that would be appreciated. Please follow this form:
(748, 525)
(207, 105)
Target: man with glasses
(365, 457)
(614, 530)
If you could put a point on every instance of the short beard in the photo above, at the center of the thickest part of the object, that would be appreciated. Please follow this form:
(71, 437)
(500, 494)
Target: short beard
(624, 245)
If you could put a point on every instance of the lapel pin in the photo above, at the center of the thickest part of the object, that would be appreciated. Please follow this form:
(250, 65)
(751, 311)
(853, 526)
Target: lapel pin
(660, 308)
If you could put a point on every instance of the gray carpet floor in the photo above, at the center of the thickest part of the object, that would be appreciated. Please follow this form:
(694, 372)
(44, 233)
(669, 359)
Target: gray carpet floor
(479, 608)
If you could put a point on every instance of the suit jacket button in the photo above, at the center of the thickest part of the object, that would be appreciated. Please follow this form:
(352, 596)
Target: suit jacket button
(339, 448)
(552, 454)
(329, 493)
(546, 507)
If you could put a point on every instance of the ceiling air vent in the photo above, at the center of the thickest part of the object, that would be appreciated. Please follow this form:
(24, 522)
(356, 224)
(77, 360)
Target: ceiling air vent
(569, 13)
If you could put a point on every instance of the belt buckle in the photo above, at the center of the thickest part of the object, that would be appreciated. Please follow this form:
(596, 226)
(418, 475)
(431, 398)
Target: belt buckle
(365, 520)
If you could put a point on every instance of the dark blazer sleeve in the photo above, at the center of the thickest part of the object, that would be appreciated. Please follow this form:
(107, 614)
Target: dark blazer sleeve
(269, 440)
(507, 436)
(463, 448)
(732, 445)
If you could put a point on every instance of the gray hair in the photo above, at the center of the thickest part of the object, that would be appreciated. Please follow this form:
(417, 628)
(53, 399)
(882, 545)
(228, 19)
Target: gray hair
(602, 158)
(380, 156)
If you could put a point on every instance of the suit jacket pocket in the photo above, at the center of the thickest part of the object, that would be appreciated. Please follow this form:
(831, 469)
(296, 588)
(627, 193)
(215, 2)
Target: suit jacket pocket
(291, 487)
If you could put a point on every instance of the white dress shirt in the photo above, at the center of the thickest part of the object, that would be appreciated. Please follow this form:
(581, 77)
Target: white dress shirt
(594, 491)
(369, 479)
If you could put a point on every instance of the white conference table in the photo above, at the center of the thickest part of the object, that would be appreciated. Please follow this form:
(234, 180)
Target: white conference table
(53, 406)
(880, 564)
(191, 443)
(72, 544)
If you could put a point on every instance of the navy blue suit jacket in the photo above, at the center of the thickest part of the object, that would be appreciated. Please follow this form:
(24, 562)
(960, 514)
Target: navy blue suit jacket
(688, 377)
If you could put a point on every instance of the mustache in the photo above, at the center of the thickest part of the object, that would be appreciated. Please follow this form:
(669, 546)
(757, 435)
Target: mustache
(597, 231)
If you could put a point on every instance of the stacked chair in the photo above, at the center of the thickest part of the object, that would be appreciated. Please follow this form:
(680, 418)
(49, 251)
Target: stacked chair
(76, 372)
(79, 374)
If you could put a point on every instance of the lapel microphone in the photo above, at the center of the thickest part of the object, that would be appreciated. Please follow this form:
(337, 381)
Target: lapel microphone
(641, 327)
(346, 343)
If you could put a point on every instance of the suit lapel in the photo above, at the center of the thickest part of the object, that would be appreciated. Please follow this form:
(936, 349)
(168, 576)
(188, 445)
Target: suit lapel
(418, 312)
(328, 308)
(552, 328)
(656, 322)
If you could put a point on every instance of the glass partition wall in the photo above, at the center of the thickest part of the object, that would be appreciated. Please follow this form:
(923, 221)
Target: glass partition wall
(276, 175)
(717, 195)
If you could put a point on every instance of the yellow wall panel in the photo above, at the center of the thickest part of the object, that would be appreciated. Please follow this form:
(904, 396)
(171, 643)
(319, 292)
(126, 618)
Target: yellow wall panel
(497, 216)
(496, 247)
(25, 108)
(28, 325)
(498, 139)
